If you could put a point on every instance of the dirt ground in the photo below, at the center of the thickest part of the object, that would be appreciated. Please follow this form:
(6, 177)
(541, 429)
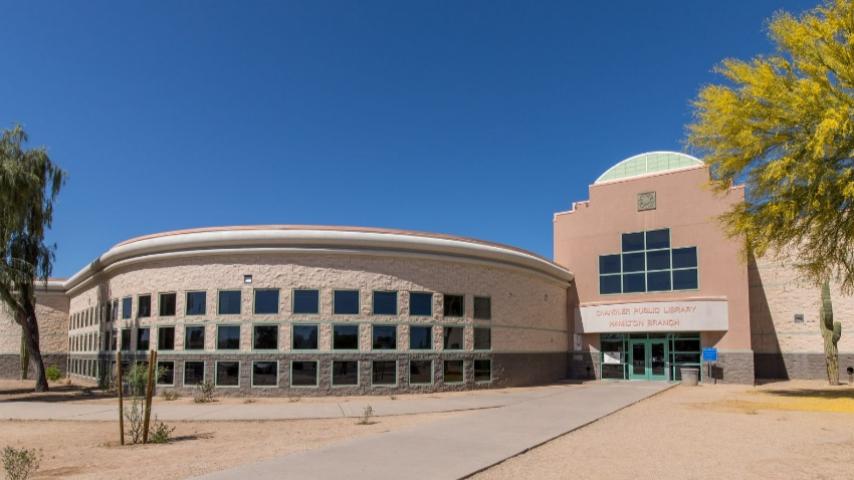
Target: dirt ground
(788, 430)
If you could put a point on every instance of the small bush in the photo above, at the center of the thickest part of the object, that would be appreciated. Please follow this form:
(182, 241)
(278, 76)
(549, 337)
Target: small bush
(204, 392)
(135, 417)
(53, 373)
(366, 416)
(137, 378)
(170, 395)
(160, 432)
(20, 463)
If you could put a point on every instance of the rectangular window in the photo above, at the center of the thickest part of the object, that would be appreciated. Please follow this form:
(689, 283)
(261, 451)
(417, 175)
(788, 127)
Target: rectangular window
(685, 279)
(265, 337)
(420, 338)
(166, 373)
(633, 283)
(306, 301)
(384, 372)
(453, 371)
(345, 337)
(227, 374)
(304, 374)
(115, 311)
(482, 339)
(453, 338)
(345, 373)
(114, 340)
(685, 257)
(305, 337)
(658, 239)
(345, 302)
(142, 339)
(194, 373)
(385, 303)
(167, 304)
(266, 301)
(658, 260)
(228, 337)
(143, 306)
(483, 308)
(482, 370)
(610, 284)
(454, 305)
(196, 303)
(194, 337)
(648, 264)
(420, 304)
(265, 374)
(609, 264)
(420, 372)
(166, 338)
(384, 337)
(127, 307)
(633, 242)
(125, 339)
(229, 302)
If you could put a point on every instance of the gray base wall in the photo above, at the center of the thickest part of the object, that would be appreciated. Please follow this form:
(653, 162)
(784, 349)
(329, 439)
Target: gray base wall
(10, 364)
(801, 366)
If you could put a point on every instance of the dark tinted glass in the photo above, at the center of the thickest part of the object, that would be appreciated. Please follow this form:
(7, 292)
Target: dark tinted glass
(685, 257)
(482, 339)
(167, 373)
(421, 304)
(345, 337)
(304, 374)
(658, 281)
(610, 284)
(482, 370)
(266, 301)
(658, 260)
(634, 283)
(166, 338)
(346, 302)
(305, 301)
(266, 337)
(126, 339)
(167, 304)
(420, 371)
(144, 306)
(453, 338)
(228, 374)
(657, 239)
(633, 262)
(229, 302)
(142, 338)
(194, 338)
(265, 374)
(453, 305)
(384, 337)
(127, 307)
(609, 264)
(194, 373)
(685, 279)
(385, 303)
(345, 373)
(482, 308)
(632, 242)
(228, 337)
(196, 303)
(305, 337)
(453, 371)
(384, 373)
(420, 338)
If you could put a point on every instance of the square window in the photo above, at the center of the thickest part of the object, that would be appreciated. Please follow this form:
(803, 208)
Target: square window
(633, 242)
(610, 284)
(685, 279)
(345, 373)
(265, 337)
(420, 304)
(266, 301)
(658, 281)
(454, 305)
(483, 308)
(685, 257)
(345, 302)
(229, 302)
(194, 337)
(385, 303)
(265, 374)
(658, 260)
(167, 304)
(345, 337)
(304, 374)
(196, 303)
(306, 301)
(384, 372)
(228, 337)
(453, 339)
(227, 374)
(635, 282)
(143, 306)
(482, 370)
(609, 264)
(194, 373)
(420, 372)
(453, 371)
(482, 339)
(166, 338)
(142, 339)
(633, 262)
(420, 338)
(305, 337)
(165, 373)
(384, 337)
(656, 239)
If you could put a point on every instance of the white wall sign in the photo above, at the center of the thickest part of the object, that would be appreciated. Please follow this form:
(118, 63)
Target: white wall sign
(687, 315)
(611, 358)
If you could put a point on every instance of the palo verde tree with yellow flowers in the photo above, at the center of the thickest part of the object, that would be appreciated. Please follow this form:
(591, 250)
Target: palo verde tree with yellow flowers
(783, 124)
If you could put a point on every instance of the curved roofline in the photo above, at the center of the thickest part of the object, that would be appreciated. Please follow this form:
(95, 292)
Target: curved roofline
(313, 239)
(691, 158)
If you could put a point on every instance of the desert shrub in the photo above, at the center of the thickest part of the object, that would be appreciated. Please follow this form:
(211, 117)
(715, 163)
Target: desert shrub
(137, 378)
(170, 395)
(53, 373)
(135, 419)
(367, 413)
(160, 432)
(204, 392)
(20, 463)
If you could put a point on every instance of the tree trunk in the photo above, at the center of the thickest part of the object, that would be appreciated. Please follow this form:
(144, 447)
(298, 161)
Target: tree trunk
(25, 356)
(31, 336)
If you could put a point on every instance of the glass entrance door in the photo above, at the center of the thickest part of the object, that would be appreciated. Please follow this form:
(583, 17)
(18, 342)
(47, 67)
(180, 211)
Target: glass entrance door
(657, 353)
(648, 359)
(637, 367)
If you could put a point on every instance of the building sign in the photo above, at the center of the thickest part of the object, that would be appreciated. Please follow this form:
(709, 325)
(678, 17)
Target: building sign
(687, 316)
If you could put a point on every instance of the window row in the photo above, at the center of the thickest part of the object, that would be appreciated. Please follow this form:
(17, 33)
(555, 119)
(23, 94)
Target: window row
(648, 264)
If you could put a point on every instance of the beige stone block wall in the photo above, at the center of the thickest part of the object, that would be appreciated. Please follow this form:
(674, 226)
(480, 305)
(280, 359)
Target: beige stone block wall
(52, 314)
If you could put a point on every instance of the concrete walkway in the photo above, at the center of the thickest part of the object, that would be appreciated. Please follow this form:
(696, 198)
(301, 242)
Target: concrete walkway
(455, 447)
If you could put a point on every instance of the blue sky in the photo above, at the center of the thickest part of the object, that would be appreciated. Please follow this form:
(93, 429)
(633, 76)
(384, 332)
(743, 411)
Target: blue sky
(476, 118)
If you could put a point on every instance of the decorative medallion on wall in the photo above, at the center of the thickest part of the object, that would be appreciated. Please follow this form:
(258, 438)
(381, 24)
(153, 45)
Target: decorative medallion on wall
(646, 201)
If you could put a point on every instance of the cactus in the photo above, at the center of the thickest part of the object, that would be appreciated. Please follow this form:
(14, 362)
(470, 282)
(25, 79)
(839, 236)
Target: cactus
(25, 356)
(830, 331)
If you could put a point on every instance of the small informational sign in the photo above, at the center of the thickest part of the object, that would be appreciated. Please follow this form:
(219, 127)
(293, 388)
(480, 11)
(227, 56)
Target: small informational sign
(611, 358)
(710, 354)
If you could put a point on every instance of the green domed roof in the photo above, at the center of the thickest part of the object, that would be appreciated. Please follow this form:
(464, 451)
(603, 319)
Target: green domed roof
(646, 163)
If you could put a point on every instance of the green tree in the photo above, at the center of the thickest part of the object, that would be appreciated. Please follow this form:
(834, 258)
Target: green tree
(29, 184)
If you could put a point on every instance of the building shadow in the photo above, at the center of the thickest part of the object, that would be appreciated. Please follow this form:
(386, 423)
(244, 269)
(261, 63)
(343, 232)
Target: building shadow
(767, 357)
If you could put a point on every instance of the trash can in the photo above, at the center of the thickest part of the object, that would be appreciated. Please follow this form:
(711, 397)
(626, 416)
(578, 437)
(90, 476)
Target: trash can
(690, 376)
